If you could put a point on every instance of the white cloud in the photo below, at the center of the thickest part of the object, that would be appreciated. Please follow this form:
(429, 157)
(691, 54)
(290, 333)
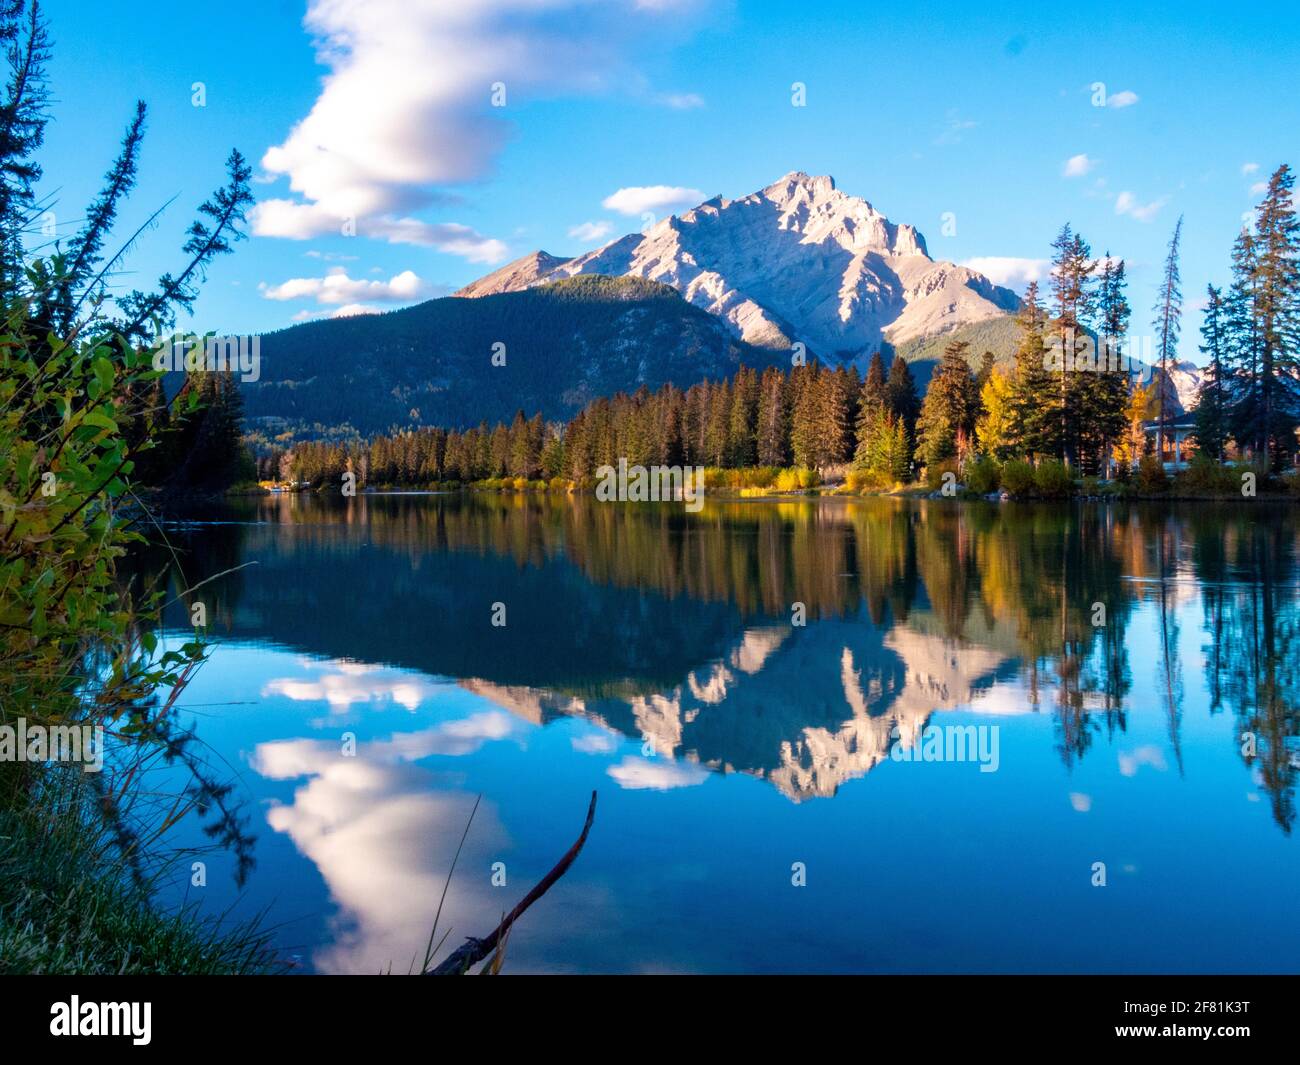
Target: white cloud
(380, 831)
(1259, 188)
(1127, 203)
(1078, 165)
(344, 684)
(303, 221)
(1249, 168)
(1131, 761)
(1127, 98)
(637, 199)
(1008, 270)
(595, 743)
(450, 237)
(657, 775)
(336, 288)
(330, 256)
(681, 101)
(591, 232)
(351, 310)
(405, 106)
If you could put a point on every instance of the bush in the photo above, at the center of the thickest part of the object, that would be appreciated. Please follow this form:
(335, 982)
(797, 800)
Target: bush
(934, 473)
(559, 484)
(1151, 476)
(1018, 478)
(809, 479)
(982, 475)
(787, 480)
(1053, 480)
(1205, 476)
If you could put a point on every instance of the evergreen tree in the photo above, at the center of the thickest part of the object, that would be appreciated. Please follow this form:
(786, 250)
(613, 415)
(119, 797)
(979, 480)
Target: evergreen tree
(1073, 298)
(773, 418)
(1212, 406)
(871, 409)
(741, 450)
(901, 398)
(23, 116)
(1168, 323)
(1242, 348)
(718, 425)
(1035, 400)
(947, 420)
(888, 451)
(834, 391)
(987, 363)
(1105, 392)
(1277, 312)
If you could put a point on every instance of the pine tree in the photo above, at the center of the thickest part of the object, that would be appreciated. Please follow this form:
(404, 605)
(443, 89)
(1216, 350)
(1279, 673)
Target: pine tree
(901, 398)
(1212, 406)
(987, 363)
(803, 417)
(1073, 297)
(717, 424)
(741, 450)
(1105, 392)
(1277, 312)
(832, 404)
(1035, 398)
(23, 116)
(888, 450)
(1168, 323)
(947, 420)
(1242, 348)
(773, 418)
(871, 409)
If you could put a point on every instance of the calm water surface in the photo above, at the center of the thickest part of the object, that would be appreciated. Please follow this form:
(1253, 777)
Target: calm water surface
(1137, 671)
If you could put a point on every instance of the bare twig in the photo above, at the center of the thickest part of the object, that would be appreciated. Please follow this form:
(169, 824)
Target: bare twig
(473, 951)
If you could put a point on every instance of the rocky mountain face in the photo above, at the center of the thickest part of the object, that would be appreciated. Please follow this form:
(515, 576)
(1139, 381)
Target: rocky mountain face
(1186, 378)
(796, 261)
(520, 274)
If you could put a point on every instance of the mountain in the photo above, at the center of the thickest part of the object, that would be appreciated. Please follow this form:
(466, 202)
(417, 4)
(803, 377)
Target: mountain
(514, 276)
(565, 343)
(796, 261)
(1186, 378)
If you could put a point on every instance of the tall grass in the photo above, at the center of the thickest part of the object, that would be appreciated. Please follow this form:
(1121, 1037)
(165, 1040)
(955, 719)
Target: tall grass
(72, 902)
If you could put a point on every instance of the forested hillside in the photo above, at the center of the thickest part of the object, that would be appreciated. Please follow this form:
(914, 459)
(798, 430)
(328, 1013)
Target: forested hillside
(455, 362)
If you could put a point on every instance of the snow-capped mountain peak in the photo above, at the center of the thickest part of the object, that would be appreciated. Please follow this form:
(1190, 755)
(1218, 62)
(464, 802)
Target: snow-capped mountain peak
(798, 260)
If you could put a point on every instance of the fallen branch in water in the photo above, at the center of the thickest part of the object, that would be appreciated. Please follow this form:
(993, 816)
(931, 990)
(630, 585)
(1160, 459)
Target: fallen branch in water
(473, 951)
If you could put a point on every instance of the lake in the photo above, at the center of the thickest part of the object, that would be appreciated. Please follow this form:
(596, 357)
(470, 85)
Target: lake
(828, 735)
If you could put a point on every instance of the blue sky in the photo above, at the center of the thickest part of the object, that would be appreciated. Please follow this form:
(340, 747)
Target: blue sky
(379, 112)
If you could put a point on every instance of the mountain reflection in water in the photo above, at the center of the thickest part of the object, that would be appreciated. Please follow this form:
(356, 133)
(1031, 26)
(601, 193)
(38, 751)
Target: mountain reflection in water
(668, 645)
